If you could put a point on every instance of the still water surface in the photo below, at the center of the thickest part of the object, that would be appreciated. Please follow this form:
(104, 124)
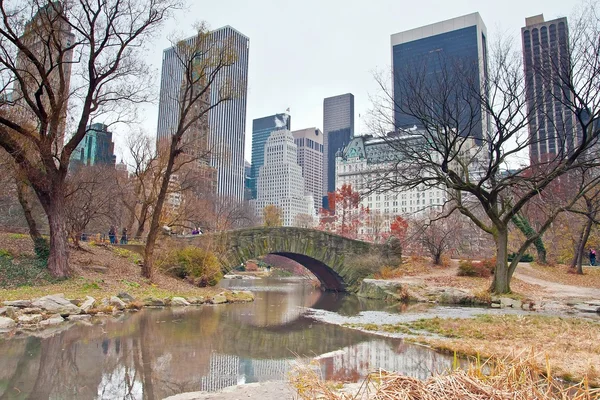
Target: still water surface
(156, 353)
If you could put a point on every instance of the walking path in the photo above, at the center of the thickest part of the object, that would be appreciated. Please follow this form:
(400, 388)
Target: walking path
(554, 289)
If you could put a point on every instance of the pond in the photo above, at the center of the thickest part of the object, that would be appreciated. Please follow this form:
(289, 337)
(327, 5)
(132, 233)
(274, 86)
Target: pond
(157, 353)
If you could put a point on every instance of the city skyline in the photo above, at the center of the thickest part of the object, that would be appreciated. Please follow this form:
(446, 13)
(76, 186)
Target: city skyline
(338, 70)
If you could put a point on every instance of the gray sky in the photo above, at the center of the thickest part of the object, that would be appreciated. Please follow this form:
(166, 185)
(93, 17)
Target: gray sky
(304, 51)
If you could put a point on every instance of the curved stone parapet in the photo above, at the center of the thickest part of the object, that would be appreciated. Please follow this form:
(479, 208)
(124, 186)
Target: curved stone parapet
(339, 263)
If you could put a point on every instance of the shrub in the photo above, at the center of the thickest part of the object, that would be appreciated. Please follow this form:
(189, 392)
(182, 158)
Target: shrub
(524, 257)
(445, 262)
(387, 272)
(473, 268)
(196, 265)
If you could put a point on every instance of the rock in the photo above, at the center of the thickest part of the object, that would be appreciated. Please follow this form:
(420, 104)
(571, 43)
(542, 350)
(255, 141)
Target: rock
(126, 297)
(56, 303)
(495, 305)
(587, 308)
(117, 303)
(179, 302)
(507, 302)
(593, 303)
(167, 301)
(105, 302)
(88, 304)
(154, 302)
(77, 302)
(380, 290)
(243, 296)
(7, 323)
(196, 300)
(53, 320)
(82, 317)
(449, 295)
(29, 319)
(31, 310)
(219, 299)
(3, 310)
(18, 303)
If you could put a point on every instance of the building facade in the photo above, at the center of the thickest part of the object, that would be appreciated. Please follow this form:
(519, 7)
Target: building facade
(552, 129)
(362, 164)
(428, 55)
(96, 148)
(310, 157)
(261, 130)
(280, 181)
(226, 121)
(338, 130)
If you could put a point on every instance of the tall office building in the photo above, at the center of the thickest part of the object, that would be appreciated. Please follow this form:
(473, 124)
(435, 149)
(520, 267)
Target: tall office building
(226, 121)
(310, 157)
(261, 130)
(280, 181)
(423, 54)
(338, 130)
(96, 148)
(47, 35)
(546, 53)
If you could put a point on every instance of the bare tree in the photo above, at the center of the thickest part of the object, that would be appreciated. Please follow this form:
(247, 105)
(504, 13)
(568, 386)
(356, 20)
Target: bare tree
(43, 45)
(473, 128)
(439, 234)
(201, 60)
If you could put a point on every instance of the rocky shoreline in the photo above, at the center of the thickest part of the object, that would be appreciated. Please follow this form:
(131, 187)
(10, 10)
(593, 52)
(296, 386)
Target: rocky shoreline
(56, 309)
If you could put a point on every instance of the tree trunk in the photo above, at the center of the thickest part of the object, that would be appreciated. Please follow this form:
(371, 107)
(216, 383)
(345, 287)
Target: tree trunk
(58, 260)
(23, 193)
(501, 282)
(581, 246)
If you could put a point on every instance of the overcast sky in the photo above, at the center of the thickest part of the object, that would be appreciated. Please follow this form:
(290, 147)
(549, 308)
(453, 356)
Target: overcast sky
(304, 51)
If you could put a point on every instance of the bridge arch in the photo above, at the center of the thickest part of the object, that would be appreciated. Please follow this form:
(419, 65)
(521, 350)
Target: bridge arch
(338, 262)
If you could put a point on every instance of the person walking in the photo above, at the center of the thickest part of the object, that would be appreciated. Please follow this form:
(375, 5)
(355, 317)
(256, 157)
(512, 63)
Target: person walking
(592, 257)
(124, 236)
(112, 235)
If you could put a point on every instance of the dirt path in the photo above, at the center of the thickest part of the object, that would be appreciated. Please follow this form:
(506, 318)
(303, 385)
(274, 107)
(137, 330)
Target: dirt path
(554, 289)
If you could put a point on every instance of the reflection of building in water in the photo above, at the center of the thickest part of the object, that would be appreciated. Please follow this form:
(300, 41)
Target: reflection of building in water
(264, 370)
(357, 361)
(224, 371)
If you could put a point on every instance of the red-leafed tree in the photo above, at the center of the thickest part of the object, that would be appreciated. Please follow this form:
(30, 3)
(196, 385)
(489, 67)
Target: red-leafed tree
(344, 214)
(398, 228)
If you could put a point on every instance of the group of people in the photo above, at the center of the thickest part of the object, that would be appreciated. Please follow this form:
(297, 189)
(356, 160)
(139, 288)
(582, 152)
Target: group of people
(112, 235)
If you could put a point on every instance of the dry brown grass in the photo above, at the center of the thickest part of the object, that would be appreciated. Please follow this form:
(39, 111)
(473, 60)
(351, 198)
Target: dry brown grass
(560, 274)
(571, 345)
(505, 379)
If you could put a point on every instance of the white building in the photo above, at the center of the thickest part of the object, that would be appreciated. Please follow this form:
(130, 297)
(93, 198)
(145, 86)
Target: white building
(364, 162)
(310, 157)
(280, 181)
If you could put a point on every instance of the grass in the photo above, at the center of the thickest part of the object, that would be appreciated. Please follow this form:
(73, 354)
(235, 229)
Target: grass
(510, 378)
(571, 345)
(22, 271)
(560, 274)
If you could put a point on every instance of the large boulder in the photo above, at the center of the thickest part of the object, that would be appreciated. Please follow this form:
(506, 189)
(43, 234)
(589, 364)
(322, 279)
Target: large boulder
(18, 303)
(117, 303)
(154, 302)
(126, 297)
(179, 302)
(7, 323)
(56, 303)
(88, 304)
(219, 299)
(196, 300)
(53, 320)
(381, 290)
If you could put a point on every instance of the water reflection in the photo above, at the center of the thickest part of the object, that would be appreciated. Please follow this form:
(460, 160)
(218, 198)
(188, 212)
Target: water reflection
(157, 353)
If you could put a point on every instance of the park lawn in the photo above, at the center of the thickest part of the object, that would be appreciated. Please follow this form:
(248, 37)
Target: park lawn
(99, 271)
(570, 346)
(560, 274)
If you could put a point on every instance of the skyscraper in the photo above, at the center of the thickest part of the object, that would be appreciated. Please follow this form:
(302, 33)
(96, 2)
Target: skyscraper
(421, 55)
(546, 53)
(261, 130)
(280, 181)
(226, 121)
(310, 157)
(338, 130)
(96, 148)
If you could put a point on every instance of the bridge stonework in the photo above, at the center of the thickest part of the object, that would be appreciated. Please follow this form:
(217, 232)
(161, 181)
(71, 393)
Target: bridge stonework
(338, 262)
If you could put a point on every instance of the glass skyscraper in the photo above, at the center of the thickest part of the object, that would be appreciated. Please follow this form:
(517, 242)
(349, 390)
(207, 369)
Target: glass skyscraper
(338, 130)
(261, 130)
(227, 120)
(546, 53)
(425, 56)
(96, 148)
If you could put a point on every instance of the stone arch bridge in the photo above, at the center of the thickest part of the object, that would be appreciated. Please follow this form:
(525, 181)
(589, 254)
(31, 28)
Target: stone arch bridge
(338, 262)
